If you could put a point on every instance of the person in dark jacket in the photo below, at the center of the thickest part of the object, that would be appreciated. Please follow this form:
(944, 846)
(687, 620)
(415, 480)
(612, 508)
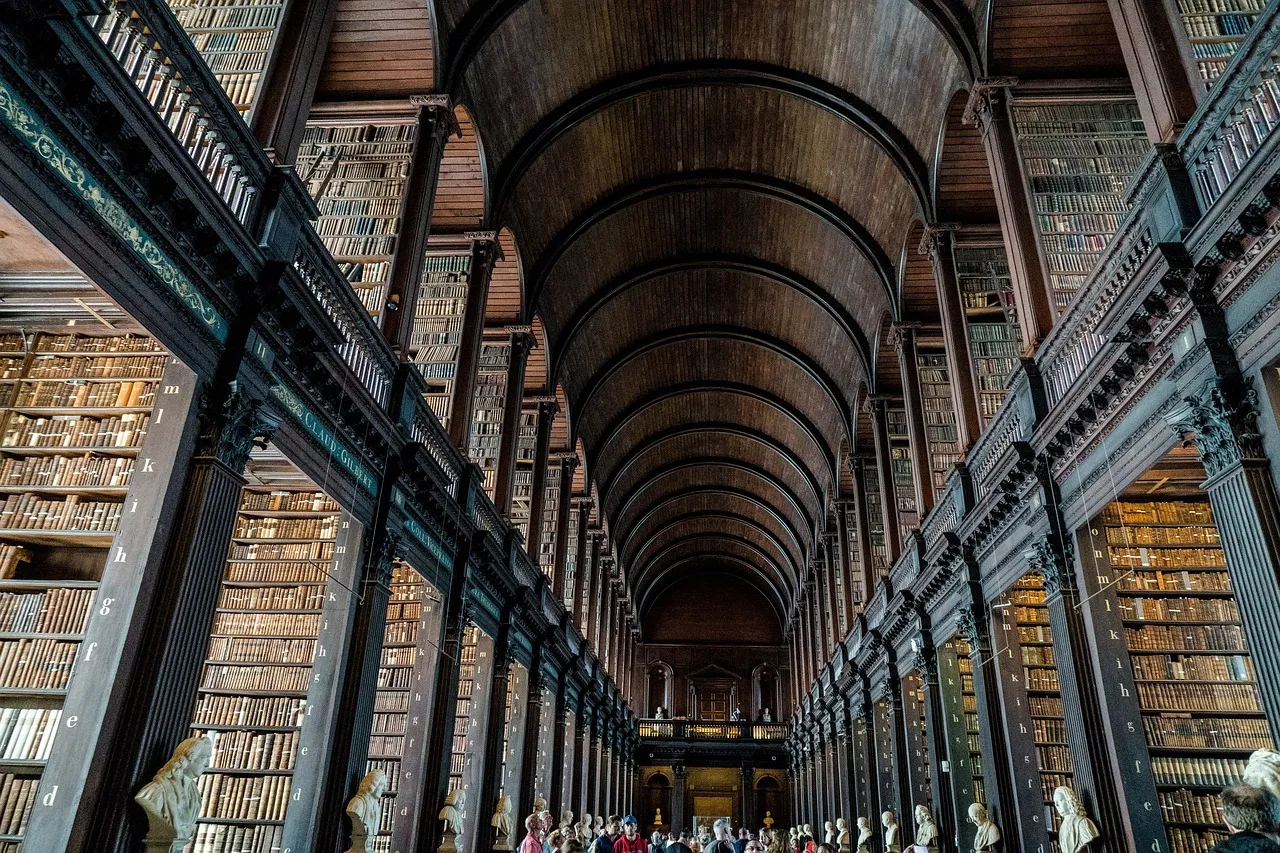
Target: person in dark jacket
(1251, 815)
(679, 843)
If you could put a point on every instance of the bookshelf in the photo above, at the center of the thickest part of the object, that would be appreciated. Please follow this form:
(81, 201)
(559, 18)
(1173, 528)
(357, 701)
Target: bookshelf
(522, 484)
(972, 728)
(904, 487)
(546, 742)
(512, 738)
(257, 681)
(437, 327)
(546, 555)
(356, 173)
(875, 520)
(1022, 609)
(1077, 158)
(995, 341)
(486, 420)
(1193, 676)
(405, 643)
(74, 410)
(940, 426)
(235, 38)
(1214, 29)
(960, 730)
(571, 558)
(850, 546)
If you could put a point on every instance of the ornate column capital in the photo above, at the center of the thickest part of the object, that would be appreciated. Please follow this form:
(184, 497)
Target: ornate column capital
(439, 110)
(230, 423)
(1222, 422)
(986, 100)
(902, 333)
(1054, 564)
(935, 237)
(925, 662)
(971, 625)
(383, 560)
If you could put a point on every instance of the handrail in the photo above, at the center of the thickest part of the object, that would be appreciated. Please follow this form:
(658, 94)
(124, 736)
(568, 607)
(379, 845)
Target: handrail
(1239, 114)
(737, 730)
(157, 56)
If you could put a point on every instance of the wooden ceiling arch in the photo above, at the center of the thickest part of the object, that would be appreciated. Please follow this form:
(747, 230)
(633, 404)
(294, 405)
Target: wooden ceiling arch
(711, 562)
(704, 528)
(711, 180)
(699, 544)
(709, 502)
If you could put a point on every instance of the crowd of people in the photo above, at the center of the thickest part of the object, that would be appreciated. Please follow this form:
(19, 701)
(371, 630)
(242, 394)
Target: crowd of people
(622, 835)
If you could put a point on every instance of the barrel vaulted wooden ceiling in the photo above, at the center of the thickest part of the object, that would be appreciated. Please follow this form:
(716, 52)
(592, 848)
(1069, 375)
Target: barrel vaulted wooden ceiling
(715, 204)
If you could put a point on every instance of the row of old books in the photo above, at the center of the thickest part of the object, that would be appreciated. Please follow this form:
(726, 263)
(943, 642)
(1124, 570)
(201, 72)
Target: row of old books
(50, 611)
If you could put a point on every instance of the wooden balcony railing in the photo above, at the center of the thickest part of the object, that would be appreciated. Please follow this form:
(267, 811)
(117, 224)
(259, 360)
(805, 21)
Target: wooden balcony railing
(701, 730)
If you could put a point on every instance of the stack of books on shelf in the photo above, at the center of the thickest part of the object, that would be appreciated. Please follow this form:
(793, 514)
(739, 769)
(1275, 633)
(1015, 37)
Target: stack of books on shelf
(969, 699)
(437, 327)
(253, 691)
(1078, 158)
(1201, 711)
(235, 38)
(1215, 29)
(875, 520)
(77, 409)
(486, 420)
(903, 463)
(356, 172)
(940, 426)
(467, 673)
(995, 341)
(550, 518)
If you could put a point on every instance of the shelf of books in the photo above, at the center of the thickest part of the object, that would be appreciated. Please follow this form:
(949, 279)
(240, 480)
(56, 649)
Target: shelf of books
(546, 555)
(571, 558)
(875, 519)
(1077, 158)
(1025, 657)
(235, 38)
(1201, 711)
(917, 734)
(462, 716)
(522, 482)
(407, 652)
(471, 718)
(486, 420)
(437, 327)
(546, 743)
(850, 546)
(940, 426)
(356, 173)
(904, 487)
(512, 738)
(837, 573)
(74, 410)
(1215, 29)
(995, 341)
(258, 671)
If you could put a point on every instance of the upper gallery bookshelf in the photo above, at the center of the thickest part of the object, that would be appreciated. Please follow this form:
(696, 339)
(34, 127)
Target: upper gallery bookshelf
(941, 429)
(995, 341)
(235, 39)
(486, 422)
(1078, 155)
(437, 327)
(1214, 29)
(356, 172)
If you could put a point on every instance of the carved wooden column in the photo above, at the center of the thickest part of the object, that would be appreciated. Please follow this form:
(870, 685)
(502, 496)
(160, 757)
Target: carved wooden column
(988, 107)
(436, 123)
(939, 244)
(891, 748)
(172, 626)
(1054, 558)
(547, 410)
(833, 594)
(903, 337)
(532, 730)
(591, 586)
(494, 740)
(484, 254)
(851, 577)
(947, 812)
(593, 759)
(678, 796)
(558, 796)
(1164, 79)
(522, 340)
(568, 462)
(879, 410)
(577, 780)
(862, 709)
(1221, 420)
(288, 86)
(822, 607)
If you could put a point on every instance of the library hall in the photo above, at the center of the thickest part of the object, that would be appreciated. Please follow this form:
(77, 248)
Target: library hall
(639, 426)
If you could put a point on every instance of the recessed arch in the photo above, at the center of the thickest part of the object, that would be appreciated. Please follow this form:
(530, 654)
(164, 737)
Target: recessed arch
(697, 562)
(734, 519)
(711, 180)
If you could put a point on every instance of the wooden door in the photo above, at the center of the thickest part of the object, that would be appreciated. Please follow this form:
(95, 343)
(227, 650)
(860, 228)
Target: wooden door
(714, 705)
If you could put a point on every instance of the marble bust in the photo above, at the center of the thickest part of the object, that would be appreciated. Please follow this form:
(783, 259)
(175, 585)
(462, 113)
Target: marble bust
(584, 829)
(1263, 771)
(1077, 830)
(987, 836)
(454, 802)
(892, 833)
(926, 829)
(171, 799)
(865, 834)
(502, 821)
(566, 820)
(842, 833)
(365, 811)
(829, 831)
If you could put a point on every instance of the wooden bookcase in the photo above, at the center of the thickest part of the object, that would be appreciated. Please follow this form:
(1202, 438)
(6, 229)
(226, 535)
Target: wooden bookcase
(1169, 594)
(437, 327)
(995, 341)
(356, 172)
(486, 420)
(941, 429)
(571, 558)
(1214, 30)
(74, 412)
(919, 767)
(904, 487)
(235, 38)
(264, 684)
(875, 520)
(1078, 156)
(546, 555)
(961, 731)
(522, 484)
